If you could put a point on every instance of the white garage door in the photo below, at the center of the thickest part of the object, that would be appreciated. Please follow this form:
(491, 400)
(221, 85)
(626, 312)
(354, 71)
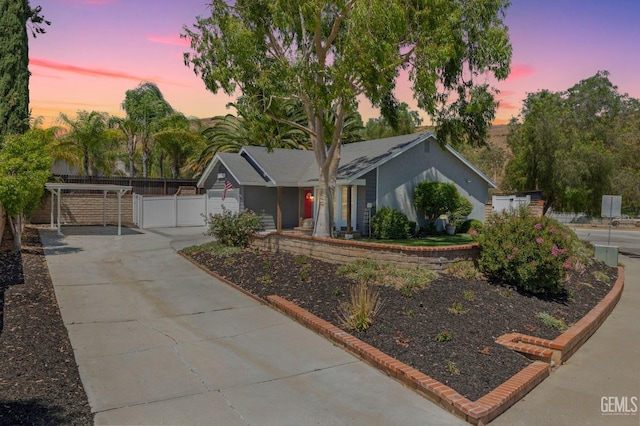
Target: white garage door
(215, 201)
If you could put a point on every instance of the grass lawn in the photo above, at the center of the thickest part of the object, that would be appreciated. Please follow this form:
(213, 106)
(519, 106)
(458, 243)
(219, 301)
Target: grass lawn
(434, 241)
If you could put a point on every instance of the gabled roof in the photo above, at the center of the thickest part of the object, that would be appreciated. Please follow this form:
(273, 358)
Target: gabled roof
(283, 167)
(256, 165)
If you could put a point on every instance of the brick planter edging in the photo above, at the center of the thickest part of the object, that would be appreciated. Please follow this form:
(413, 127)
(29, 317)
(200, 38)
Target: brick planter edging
(484, 409)
(565, 345)
(477, 412)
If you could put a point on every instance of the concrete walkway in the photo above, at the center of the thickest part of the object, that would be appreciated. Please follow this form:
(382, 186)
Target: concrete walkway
(158, 341)
(608, 365)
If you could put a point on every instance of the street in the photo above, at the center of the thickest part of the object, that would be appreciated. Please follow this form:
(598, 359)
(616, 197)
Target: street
(627, 240)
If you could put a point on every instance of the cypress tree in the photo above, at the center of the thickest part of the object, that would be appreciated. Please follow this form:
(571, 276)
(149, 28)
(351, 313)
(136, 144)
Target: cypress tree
(14, 63)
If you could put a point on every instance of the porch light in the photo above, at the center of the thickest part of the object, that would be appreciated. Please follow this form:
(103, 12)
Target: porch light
(309, 196)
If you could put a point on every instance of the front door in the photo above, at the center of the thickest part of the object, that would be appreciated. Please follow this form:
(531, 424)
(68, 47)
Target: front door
(308, 203)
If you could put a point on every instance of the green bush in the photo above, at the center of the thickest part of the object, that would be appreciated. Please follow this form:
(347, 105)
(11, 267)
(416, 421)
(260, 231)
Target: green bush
(233, 229)
(390, 224)
(528, 252)
(471, 225)
(436, 198)
(457, 216)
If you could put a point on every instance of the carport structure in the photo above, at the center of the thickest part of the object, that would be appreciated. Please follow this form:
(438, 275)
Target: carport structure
(56, 192)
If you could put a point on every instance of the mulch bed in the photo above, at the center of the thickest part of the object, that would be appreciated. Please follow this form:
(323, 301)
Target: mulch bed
(40, 383)
(39, 379)
(406, 327)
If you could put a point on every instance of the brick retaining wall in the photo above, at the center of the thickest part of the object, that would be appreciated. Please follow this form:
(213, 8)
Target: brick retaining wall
(345, 251)
(84, 209)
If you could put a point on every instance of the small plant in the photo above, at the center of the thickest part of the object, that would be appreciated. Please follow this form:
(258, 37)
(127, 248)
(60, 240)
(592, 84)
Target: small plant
(410, 313)
(265, 279)
(405, 279)
(266, 264)
(464, 269)
(304, 273)
(337, 291)
(505, 292)
(602, 277)
(456, 309)
(365, 270)
(233, 229)
(452, 368)
(443, 336)
(363, 305)
(552, 322)
(469, 295)
(300, 260)
(406, 290)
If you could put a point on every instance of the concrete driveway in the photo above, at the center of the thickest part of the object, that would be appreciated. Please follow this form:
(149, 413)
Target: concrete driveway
(158, 341)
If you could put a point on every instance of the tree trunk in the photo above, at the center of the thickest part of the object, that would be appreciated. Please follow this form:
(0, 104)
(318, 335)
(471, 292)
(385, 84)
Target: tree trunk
(15, 223)
(145, 161)
(324, 218)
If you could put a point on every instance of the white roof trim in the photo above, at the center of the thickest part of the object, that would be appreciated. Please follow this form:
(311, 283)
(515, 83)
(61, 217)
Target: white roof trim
(207, 171)
(272, 181)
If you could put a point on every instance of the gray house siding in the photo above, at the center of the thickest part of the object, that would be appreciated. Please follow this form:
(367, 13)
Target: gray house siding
(427, 162)
(371, 180)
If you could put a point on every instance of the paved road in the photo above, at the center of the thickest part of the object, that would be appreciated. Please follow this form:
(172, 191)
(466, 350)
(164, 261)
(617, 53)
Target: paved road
(158, 341)
(627, 240)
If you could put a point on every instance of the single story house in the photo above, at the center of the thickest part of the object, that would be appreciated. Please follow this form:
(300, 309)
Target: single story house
(281, 184)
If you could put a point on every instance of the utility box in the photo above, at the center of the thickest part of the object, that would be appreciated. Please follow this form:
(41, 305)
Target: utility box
(607, 254)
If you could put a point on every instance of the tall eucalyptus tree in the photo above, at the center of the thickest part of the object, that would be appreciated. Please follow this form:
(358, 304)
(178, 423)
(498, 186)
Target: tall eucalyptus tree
(324, 54)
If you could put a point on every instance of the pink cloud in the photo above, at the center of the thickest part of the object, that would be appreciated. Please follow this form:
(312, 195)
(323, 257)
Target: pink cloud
(520, 71)
(94, 72)
(172, 40)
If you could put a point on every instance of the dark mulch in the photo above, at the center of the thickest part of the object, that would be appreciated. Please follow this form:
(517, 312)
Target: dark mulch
(407, 326)
(39, 380)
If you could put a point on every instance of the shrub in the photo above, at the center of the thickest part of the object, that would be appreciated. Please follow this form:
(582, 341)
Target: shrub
(457, 216)
(471, 225)
(552, 322)
(233, 229)
(364, 304)
(390, 224)
(533, 254)
(464, 269)
(443, 336)
(435, 198)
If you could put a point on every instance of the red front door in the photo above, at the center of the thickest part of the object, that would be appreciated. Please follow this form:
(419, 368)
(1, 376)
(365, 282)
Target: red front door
(308, 203)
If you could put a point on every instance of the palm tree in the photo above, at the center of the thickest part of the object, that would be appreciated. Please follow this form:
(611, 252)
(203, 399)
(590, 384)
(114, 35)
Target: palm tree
(129, 129)
(145, 105)
(177, 139)
(88, 141)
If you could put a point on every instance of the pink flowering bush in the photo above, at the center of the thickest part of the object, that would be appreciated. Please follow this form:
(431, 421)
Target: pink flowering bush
(532, 253)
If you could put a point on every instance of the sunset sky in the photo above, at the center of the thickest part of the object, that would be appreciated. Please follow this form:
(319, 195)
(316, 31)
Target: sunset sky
(96, 50)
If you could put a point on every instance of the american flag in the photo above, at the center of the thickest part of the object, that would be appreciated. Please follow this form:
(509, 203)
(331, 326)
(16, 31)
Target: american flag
(227, 185)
